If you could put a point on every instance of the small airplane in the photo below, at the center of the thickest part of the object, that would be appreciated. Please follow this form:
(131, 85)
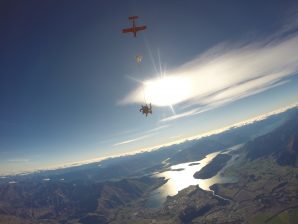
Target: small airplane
(146, 109)
(134, 29)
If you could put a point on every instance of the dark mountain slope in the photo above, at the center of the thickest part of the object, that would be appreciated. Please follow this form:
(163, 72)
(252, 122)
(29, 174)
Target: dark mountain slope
(282, 143)
(196, 152)
(56, 202)
(231, 137)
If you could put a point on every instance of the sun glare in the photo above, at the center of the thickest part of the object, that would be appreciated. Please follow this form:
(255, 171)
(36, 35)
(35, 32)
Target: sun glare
(167, 91)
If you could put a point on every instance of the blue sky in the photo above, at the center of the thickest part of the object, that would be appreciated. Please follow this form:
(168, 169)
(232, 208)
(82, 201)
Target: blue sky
(70, 89)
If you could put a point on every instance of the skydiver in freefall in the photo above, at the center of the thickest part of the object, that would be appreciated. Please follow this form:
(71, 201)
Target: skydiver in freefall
(146, 109)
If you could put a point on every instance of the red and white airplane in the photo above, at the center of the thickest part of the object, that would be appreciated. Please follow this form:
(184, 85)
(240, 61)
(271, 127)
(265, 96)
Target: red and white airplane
(134, 29)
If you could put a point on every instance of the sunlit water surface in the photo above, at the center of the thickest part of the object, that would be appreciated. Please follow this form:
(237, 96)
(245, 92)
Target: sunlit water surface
(179, 179)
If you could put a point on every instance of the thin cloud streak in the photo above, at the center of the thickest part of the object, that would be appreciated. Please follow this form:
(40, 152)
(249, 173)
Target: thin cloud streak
(18, 160)
(184, 114)
(146, 135)
(132, 140)
(157, 128)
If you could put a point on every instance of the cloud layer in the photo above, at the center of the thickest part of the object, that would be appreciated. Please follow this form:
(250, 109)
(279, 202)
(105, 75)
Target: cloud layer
(229, 72)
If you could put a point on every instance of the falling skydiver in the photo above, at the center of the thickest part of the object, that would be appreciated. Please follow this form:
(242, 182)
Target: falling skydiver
(146, 109)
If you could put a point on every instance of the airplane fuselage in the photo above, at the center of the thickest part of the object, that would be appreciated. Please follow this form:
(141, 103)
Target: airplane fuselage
(134, 29)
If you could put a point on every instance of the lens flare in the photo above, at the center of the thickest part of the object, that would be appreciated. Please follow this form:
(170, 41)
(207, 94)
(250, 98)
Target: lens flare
(167, 91)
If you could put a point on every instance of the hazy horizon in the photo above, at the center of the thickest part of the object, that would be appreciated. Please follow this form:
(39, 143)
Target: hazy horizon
(180, 141)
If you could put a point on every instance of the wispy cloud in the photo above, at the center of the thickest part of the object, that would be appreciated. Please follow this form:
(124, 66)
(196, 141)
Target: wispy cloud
(184, 114)
(132, 140)
(145, 135)
(229, 72)
(18, 160)
(217, 103)
(157, 129)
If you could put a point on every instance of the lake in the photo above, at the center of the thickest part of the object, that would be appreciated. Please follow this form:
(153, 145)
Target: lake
(181, 176)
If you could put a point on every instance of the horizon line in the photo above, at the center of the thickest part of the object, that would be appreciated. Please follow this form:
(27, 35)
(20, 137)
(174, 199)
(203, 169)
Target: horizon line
(156, 147)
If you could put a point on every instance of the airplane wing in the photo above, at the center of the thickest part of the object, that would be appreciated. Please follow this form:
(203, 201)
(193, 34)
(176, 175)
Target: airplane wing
(127, 30)
(138, 28)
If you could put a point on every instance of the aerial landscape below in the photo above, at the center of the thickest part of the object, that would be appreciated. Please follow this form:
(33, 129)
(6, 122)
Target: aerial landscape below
(143, 112)
(231, 178)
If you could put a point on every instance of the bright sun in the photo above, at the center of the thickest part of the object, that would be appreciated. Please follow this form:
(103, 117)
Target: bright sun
(167, 91)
